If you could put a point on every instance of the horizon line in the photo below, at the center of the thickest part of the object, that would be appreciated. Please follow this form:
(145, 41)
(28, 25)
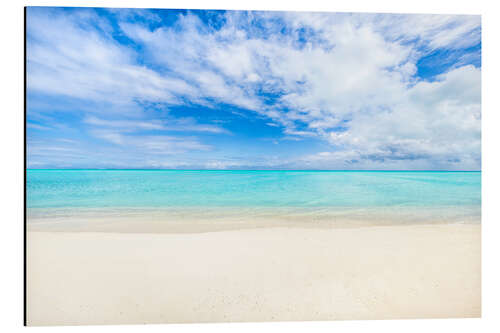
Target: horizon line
(318, 170)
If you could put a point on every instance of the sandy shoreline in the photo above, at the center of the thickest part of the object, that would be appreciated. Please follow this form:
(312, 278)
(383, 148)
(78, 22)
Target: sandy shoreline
(273, 274)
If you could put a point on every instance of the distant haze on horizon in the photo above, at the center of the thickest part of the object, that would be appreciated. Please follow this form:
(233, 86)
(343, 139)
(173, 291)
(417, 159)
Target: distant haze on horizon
(198, 89)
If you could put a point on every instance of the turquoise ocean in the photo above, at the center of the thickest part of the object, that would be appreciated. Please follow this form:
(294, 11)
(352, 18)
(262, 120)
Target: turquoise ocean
(308, 196)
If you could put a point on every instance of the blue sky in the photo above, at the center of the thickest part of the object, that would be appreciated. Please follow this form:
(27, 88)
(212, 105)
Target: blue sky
(137, 88)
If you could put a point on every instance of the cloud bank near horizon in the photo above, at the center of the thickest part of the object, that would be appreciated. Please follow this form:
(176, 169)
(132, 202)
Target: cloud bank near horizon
(121, 88)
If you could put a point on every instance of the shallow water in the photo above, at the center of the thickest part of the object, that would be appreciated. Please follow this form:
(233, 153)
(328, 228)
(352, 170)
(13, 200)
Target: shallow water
(267, 195)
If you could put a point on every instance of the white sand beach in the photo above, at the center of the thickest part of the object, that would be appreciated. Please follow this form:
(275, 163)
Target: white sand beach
(261, 274)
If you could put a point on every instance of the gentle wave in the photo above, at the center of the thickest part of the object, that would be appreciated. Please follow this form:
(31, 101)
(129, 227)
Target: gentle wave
(145, 188)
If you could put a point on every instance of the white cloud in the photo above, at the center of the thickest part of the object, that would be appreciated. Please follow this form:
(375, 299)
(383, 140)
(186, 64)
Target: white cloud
(438, 123)
(350, 82)
(158, 144)
(37, 127)
(68, 56)
(177, 124)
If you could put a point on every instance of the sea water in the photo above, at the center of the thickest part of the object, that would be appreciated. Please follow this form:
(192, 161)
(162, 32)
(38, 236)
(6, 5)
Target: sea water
(420, 196)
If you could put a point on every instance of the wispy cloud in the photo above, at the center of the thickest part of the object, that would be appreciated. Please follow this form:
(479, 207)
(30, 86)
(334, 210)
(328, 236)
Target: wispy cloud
(177, 125)
(37, 127)
(68, 55)
(349, 81)
(159, 144)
